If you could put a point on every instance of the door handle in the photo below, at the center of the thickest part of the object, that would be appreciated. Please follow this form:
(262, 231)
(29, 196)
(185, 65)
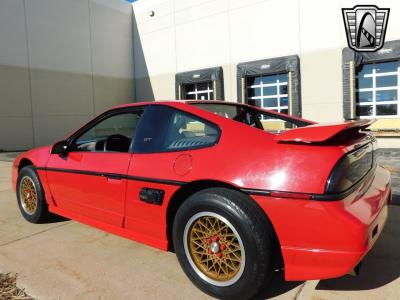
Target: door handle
(113, 176)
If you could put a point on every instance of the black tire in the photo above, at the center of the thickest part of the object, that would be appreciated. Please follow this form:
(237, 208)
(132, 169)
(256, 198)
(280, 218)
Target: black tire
(249, 222)
(41, 213)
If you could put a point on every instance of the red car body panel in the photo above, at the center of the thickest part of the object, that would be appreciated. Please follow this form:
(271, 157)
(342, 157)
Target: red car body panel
(318, 239)
(326, 239)
(39, 157)
(99, 197)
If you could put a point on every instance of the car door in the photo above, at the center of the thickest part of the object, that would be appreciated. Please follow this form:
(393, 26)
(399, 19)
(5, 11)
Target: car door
(164, 149)
(90, 180)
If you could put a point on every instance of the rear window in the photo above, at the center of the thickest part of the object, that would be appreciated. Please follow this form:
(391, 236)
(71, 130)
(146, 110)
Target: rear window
(164, 129)
(253, 117)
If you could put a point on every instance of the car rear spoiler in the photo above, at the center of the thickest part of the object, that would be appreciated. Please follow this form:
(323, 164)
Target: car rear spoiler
(320, 133)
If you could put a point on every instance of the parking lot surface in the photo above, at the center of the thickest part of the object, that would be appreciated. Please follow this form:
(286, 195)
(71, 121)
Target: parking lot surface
(68, 260)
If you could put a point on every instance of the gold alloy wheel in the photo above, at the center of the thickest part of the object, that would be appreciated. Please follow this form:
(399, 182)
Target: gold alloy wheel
(28, 195)
(215, 249)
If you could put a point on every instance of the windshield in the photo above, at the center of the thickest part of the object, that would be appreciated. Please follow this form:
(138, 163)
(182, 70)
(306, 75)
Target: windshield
(253, 117)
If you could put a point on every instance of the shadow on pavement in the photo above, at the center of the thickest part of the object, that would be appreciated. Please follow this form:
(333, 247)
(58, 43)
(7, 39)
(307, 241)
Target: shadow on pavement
(380, 267)
(56, 219)
(277, 286)
(396, 200)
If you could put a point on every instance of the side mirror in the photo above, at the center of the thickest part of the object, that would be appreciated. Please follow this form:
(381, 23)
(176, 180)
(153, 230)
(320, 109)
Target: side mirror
(60, 148)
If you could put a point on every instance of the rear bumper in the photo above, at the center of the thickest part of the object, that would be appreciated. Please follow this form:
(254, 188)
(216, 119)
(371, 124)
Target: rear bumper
(308, 264)
(327, 239)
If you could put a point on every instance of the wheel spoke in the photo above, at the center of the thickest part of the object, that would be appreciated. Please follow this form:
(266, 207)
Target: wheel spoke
(197, 230)
(234, 256)
(199, 245)
(220, 229)
(230, 265)
(221, 268)
(198, 234)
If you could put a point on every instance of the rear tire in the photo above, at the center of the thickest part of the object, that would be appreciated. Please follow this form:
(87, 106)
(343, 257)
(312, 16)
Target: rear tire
(30, 196)
(224, 243)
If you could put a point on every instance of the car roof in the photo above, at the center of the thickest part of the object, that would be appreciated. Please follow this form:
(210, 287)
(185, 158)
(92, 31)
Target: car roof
(171, 102)
(180, 103)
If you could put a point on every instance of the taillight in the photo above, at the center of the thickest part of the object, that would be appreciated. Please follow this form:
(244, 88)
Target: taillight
(350, 169)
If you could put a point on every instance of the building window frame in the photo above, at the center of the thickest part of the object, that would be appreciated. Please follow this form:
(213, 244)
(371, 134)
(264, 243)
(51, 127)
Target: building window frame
(198, 91)
(374, 75)
(213, 75)
(277, 84)
(351, 61)
(273, 66)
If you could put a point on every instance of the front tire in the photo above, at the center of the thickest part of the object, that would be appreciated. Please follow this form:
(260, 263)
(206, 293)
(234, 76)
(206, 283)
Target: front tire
(30, 196)
(223, 242)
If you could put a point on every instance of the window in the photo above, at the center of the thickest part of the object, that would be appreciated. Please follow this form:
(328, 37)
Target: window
(113, 134)
(377, 90)
(198, 91)
(179, 131)
(269, 91)
(202, 84)
(253, 117)
(265, 83)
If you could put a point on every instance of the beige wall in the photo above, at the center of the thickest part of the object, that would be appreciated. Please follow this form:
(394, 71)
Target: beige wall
(187, 35)
(61, 63)
(321, 85)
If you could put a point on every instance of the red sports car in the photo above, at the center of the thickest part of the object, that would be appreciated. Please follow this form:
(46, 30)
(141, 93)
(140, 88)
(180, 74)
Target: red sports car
(236, 191)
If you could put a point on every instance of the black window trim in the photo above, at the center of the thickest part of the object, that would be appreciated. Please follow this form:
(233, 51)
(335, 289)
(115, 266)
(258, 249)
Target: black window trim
(277, 65)
(212, 124)
(200, 76)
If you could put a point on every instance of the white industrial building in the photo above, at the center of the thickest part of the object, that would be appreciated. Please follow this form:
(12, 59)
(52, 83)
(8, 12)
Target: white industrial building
(62, 62)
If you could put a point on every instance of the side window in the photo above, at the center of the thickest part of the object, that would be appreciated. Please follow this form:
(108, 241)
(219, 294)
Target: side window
(166, 129)
(275, 123)
(113, 134)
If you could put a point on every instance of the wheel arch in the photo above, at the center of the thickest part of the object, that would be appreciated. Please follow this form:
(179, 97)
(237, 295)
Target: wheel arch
(185, 191)
(23, 163)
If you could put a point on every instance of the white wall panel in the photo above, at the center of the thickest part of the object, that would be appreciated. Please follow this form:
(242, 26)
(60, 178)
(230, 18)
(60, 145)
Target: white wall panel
(161, 8)
(202, 43)
(264, 30)
(181, 5)
(154, 53)
(204, 10)
(321, 26)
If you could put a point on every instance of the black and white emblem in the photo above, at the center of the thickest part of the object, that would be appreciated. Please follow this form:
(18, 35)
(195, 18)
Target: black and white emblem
(365, 27)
